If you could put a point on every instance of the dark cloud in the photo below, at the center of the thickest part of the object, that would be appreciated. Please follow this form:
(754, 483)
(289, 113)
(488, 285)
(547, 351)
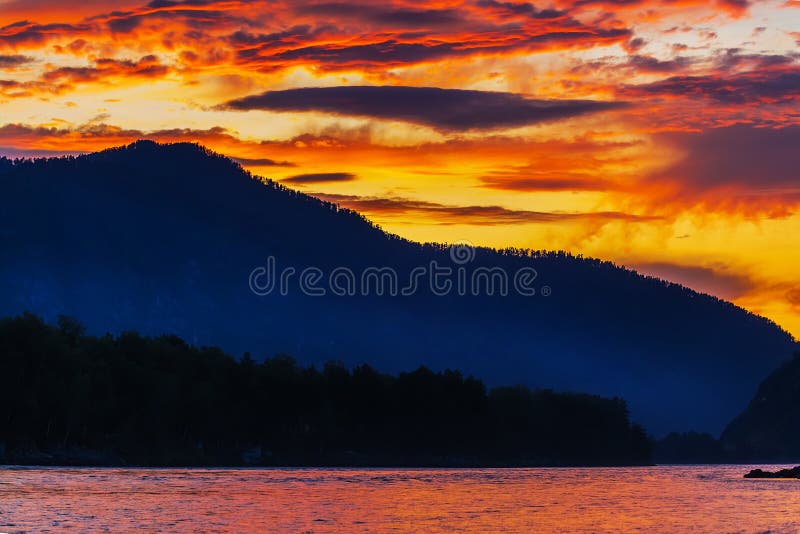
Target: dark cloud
(735, 4)
(124, 24)
(742, 167)
(793, 297)
(635, 63)
(550, 183)
(263, 41)
(614, 3)
(704, 279)
(635, 44)
(361, 55)
(26, 33)
(446, 109)
(263, 162)
(326, 47)
(193, 14)
(650, 64)
(319, 178)
(769, 86)
(445, 214)
(522, 8)
(17, 132)
(380, 14)
(762, 158)
(146, 67)
(27, 6)
(14, 61)
(734, 58)
(160, 4)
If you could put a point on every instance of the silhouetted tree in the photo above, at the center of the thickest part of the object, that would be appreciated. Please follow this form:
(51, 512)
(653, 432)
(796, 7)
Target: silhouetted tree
(74, 398)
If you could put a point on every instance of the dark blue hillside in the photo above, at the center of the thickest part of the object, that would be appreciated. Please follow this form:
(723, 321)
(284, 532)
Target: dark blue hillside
(163, 238)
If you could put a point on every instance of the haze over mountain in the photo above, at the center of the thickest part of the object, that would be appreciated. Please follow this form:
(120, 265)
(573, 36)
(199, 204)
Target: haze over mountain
(164, 238)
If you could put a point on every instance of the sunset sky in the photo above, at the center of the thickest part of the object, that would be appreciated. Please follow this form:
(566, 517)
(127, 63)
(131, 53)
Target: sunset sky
(660, 134)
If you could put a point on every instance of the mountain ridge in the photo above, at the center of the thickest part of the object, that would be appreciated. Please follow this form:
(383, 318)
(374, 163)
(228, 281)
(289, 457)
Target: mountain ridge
(9, 164)
(122, 243)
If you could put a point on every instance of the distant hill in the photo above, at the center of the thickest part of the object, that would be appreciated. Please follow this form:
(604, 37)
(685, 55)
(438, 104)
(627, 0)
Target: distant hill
(164, 238)
(688, 448)
(769, 429)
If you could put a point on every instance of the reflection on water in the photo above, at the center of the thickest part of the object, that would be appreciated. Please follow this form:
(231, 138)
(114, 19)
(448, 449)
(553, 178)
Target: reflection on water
(660, 499)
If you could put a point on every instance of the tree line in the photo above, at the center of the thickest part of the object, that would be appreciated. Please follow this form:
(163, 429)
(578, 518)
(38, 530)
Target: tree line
(69, 397)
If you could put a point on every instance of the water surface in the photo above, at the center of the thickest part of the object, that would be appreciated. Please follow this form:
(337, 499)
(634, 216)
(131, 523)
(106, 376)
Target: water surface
(641, 499)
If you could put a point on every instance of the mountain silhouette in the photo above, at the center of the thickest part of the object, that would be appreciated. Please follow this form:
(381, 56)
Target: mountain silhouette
(165, 238)
(768, 430)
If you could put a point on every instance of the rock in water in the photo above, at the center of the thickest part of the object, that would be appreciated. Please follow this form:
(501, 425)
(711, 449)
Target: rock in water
(783, 473)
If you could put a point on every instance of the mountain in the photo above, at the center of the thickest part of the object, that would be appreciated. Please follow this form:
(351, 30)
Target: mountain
(769, 428)
(167, 238)
(688, 448)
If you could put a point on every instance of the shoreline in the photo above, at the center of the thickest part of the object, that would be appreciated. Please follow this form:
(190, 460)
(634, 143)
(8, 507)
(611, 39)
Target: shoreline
(295, 467)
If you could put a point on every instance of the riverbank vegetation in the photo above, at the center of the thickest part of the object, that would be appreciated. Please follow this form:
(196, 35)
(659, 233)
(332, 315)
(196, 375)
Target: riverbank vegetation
(72, 398)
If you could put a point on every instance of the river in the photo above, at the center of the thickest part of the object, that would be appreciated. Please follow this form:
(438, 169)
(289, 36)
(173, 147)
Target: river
(637, 499)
